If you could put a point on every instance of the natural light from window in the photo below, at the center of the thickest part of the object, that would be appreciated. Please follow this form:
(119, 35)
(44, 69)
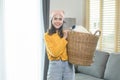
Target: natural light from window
(23, 39)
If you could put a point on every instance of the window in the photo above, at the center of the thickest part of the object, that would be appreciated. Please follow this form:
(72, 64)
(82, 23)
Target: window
(103, 15)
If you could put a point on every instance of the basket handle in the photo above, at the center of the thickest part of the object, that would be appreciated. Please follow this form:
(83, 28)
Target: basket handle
(97, 32)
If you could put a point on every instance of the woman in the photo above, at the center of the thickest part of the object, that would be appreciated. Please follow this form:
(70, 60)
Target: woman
(55, 40)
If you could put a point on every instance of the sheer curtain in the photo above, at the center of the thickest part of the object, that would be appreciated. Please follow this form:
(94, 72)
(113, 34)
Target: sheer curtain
(42, 30)
(2, 70)
(23, 39)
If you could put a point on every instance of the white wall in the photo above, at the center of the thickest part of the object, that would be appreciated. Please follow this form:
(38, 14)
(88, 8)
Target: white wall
(2, 70)
(72, 8)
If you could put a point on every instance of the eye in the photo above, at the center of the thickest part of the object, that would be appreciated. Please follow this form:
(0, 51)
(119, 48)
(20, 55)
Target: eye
(60, 19)
(55, 18)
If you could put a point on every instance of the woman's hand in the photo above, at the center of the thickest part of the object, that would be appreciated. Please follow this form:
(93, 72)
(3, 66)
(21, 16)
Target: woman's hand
(65, 33)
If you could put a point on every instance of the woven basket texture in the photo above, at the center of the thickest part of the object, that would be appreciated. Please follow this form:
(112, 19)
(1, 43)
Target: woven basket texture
(81, 48)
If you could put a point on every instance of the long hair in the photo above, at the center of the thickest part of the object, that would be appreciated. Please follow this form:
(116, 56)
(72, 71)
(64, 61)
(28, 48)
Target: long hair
(52, 30)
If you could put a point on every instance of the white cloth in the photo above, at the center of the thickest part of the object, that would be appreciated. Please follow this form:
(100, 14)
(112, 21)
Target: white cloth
(79, 28)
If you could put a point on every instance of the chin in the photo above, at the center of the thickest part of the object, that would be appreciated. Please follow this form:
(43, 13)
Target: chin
(58, 27)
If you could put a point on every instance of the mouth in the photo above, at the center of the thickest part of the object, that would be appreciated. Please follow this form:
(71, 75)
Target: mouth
(57, 24)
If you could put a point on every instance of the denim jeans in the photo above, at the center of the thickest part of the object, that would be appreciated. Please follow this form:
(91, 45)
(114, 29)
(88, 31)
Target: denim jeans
(60, 70)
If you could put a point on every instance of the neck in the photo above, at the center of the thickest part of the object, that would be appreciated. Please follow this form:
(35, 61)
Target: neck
(56, 31)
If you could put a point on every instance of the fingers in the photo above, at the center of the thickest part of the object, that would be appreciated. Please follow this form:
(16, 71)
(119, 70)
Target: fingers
(66, 30)
(65, 33)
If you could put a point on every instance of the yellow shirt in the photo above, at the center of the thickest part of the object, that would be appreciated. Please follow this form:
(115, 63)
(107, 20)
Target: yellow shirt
(56, 47)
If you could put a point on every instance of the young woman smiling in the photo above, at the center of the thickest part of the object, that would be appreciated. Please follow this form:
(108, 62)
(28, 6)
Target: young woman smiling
(55, 40)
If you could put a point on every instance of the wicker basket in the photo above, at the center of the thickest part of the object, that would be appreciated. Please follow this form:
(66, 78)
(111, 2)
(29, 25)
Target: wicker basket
(81, 47)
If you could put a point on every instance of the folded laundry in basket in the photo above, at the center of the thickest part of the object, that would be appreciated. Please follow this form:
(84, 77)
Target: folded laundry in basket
(79, 28)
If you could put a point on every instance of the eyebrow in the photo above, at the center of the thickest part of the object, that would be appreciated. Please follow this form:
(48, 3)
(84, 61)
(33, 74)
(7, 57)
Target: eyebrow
(58, 18)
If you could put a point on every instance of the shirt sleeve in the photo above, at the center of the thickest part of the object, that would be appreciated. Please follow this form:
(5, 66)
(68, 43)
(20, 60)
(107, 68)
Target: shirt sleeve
(55, 49)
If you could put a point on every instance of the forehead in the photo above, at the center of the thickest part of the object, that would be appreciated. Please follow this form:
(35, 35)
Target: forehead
(58, 15)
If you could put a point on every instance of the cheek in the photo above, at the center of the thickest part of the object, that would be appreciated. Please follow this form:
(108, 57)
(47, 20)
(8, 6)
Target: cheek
(61, 22)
